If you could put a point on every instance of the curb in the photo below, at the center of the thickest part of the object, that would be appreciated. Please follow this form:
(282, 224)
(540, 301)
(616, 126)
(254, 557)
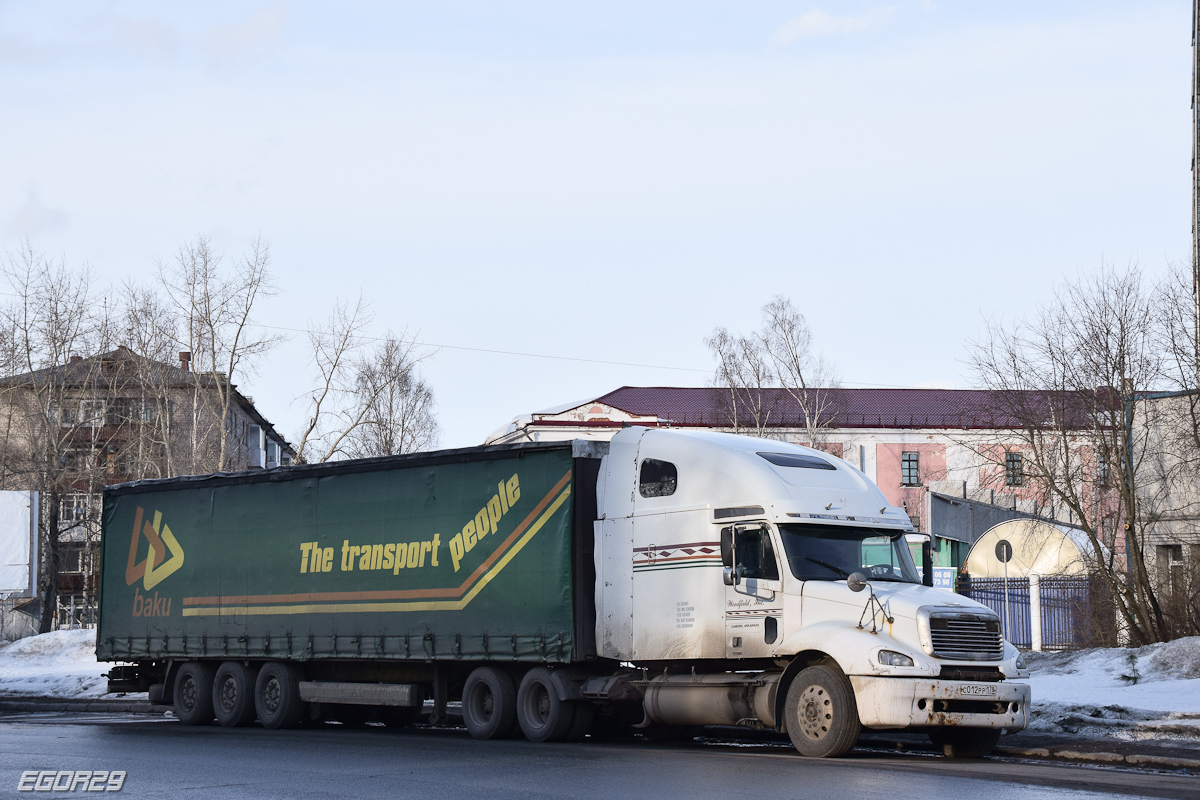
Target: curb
(70, 704)
(1133, 759)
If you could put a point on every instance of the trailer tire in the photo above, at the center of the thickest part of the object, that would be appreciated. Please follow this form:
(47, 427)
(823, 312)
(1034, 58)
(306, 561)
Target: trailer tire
(820, 712)
(965, 742)
(233, 694)
(543, 717)
(489, 703)
(277, 696)
(193, 695)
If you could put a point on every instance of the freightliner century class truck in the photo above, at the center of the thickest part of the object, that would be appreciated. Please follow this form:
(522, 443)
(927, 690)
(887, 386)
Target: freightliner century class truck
(664, 580)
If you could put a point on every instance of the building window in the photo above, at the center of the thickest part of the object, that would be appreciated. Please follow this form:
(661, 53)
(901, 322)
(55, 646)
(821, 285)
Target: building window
(1103, 475)
(75, 507)
(91, 413)
(657, 478)
(1014, 469)
(910, 469)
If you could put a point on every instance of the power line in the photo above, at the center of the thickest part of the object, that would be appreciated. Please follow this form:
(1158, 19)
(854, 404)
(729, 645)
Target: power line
(560, 358)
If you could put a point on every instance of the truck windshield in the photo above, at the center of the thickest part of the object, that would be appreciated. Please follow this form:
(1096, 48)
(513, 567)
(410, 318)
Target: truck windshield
(832, 552)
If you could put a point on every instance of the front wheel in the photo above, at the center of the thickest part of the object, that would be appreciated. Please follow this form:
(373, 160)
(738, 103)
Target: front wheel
(542, 715)
(965, 742)
(820, 713)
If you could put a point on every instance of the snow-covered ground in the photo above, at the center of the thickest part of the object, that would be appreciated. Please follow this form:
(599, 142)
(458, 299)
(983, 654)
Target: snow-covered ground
(1148, 692)
(59, 664)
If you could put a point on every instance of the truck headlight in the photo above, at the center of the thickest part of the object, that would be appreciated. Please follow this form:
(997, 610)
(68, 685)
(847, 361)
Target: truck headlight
(1021, 662)
(890, 658)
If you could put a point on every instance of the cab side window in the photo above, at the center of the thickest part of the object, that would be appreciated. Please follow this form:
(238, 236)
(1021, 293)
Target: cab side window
(755, 557)
(657, 478)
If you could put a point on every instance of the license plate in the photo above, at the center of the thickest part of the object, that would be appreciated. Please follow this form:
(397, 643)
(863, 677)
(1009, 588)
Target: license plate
(979, 690)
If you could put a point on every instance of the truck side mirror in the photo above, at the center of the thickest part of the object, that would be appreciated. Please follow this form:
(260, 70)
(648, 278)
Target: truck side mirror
(927, 562)
(730, 576)
(727, 548)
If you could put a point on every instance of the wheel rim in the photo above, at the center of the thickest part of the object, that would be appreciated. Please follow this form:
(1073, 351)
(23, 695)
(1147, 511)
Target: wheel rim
(483, 703)
(271, 695)
(228, 694)
(541, 704)
(187, 693)
(816, 712)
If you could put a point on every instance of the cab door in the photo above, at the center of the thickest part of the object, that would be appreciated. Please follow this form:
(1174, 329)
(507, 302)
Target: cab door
(753, 591)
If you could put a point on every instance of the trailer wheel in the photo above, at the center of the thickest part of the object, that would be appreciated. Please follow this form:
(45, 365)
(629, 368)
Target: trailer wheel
(277, 696)
(965, 742)
(193, 693)
(233, 695)
(543, 717)
(489, 703)
(820, 712)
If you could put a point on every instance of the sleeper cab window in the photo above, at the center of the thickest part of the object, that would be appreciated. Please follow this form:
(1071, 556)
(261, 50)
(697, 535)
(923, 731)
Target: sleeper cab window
(657, 478)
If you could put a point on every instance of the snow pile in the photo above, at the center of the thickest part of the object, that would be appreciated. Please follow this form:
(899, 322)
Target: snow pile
(58, 664)
(1150, 692)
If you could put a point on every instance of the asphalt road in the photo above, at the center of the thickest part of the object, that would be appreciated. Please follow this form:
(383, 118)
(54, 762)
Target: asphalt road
(165, 759)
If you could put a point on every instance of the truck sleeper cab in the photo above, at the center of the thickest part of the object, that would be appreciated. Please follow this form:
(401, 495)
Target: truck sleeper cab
(666, 579)
(818, 591)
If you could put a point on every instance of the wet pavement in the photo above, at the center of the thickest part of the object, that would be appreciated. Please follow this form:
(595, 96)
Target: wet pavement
(162, 758)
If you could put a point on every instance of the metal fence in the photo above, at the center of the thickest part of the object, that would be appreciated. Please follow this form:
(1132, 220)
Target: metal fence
(1059, 603)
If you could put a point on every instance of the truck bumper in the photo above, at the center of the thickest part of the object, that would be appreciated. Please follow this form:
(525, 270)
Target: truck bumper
(930, 703)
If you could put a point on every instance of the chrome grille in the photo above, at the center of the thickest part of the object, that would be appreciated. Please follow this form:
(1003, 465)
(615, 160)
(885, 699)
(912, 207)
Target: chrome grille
(973, 637)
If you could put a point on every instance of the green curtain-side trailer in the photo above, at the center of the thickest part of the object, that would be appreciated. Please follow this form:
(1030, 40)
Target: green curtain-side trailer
(463, 555)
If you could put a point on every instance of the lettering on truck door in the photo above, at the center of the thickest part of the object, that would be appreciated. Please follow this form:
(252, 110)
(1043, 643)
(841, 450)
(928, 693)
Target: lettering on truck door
(754, 604)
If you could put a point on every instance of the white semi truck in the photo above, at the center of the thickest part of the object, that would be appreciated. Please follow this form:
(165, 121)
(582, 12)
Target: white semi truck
(664, 580)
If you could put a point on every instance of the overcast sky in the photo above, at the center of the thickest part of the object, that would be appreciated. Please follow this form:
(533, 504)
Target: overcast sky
(606, 181)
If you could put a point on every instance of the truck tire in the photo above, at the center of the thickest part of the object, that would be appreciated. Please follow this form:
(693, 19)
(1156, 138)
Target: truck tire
(543, 717)
(277, 696)
(820, 712)
(233, 695)
(193, 693)
(489, 703)
(965, 742)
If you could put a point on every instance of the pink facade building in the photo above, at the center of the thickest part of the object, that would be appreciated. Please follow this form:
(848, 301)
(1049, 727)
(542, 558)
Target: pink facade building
(945, 455)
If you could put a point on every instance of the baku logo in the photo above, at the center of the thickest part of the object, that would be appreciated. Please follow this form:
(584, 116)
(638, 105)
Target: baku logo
(156, 566)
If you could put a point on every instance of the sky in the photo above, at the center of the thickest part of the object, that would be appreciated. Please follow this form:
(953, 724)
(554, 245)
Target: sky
(605, 182)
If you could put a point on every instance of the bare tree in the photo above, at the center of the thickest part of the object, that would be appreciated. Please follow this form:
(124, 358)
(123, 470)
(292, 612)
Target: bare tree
(53, 398)
(366, 401)
(216, 307)
(779, 358)
(397, 402)
(807, 377)
(744, 372)
(1067, 382)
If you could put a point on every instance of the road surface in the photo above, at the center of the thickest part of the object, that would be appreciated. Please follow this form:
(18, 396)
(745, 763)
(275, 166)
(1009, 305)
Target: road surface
(165, 759)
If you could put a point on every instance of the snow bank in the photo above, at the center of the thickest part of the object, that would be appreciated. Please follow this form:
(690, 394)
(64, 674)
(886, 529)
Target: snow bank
(58, 664)
(1134, 693)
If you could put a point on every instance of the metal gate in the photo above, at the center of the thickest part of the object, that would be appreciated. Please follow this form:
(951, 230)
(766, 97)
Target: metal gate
(1061, 603)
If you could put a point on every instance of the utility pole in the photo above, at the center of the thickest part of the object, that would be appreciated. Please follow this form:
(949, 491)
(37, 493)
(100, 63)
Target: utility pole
(1196, 176)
